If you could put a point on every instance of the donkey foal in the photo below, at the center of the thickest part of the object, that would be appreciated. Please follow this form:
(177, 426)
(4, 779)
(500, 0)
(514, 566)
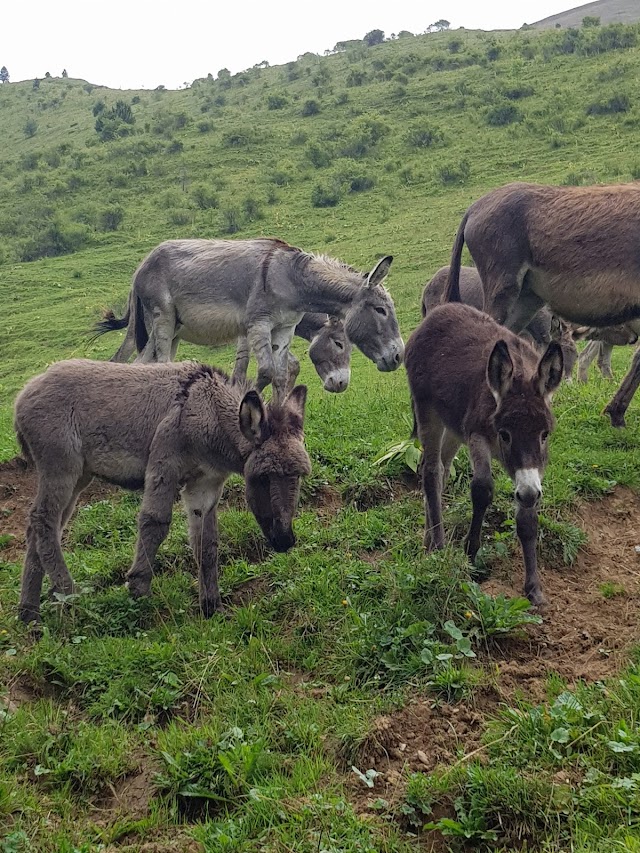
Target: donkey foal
(167, 428)
(474, 382)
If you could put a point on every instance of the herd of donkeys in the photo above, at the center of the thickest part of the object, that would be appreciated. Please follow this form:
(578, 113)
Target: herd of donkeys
(551, 264)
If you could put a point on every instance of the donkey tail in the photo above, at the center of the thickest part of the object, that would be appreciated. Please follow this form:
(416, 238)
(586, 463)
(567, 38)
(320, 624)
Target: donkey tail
(111, 323)
(142, 335)
(452, 291)
(26, 460)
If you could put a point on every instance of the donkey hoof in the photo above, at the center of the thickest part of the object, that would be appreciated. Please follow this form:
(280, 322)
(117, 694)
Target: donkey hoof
(30, 616)
(208, 608)
(537, 600)
(138, 588)
(617, 419)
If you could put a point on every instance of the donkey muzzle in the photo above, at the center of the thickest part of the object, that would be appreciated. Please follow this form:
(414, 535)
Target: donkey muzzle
(528, 487)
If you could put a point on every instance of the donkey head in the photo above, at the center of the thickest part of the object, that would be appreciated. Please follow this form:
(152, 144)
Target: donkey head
(371, 321)
(276, 463)
(330, 352)
(523, 418)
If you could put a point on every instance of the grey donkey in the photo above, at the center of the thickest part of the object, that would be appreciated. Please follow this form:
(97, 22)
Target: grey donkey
(213, 291)
(166, 428)
(541, 329)
(474, 382)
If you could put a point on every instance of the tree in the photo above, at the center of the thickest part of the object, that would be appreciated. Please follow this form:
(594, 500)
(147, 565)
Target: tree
(438, 26)
(47, 75)
(36, 83)
(4, 74)
(373, 37)
(64, 72)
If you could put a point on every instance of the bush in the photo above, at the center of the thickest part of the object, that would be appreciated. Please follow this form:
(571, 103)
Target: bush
(616, 104)
(175, 147)
(454, 173)
(516, 93)
(204, 197)
(30, 161)
(276, 102)
(111, 218)
(205, 126)
(237, 138)
(423, 135)
(324, 195)
(310, 108)
(356, 78)
(57, 238)
(30, 128)
(230, 220)
(318, 156)
(503, 114)
(251, 209)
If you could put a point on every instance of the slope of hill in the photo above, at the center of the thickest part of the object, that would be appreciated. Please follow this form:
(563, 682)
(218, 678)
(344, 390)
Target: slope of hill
(356, 687)
(609, 12)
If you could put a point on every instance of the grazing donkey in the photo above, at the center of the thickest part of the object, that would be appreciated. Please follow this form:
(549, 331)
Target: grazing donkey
(164, 428)
(330, 350)
(474, 382)
(212, 291)
(602, 347)
(541, 330)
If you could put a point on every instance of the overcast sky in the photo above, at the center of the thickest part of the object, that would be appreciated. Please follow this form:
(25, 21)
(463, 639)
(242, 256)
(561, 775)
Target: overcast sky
(132, 44)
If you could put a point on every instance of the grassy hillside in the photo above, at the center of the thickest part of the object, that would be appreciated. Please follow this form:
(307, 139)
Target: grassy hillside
(356, 688)
(609, 12)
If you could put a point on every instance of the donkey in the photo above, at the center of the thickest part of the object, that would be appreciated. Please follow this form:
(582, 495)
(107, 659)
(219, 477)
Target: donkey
(573, 248)
(602, 347)
(212, 291)
(543, 328)
(476, 383)
(167, 428)
(330, 350)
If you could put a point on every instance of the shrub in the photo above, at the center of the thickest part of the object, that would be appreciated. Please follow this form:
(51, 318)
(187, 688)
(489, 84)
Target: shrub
(230, 220)
(180, 217)
(111, 218)
(324, 195)
(516, 93)
(503, 114)
(276, 102)
(205, 126)
(299, 138)
(251, 209)
(422, 135)
(57, 238)
(356, 78)
(619, 103)
(30, 128)
(30, 161)
(310, 108)
(454, 173)
(175, 147)
(237, 138)
(318, 156)
(204, 197)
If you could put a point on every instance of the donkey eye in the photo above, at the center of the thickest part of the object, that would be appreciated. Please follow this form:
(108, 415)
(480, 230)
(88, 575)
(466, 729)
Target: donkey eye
(544, 436)
(505, 435)
(381, 311)
(339, 344)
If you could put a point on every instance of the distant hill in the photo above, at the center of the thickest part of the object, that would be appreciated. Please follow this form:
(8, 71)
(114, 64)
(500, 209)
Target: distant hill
(609, 12)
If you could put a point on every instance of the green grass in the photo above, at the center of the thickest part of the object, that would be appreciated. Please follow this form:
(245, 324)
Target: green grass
(246, 726)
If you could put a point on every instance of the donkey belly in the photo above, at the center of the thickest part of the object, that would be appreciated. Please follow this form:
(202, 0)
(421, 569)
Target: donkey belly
(604, 298)
(210, 325)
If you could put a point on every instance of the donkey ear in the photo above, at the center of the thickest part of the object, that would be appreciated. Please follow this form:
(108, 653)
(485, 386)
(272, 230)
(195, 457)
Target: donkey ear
(380, 271)
(252, 417)
(550, 369)
(296, 401)
(500, 370)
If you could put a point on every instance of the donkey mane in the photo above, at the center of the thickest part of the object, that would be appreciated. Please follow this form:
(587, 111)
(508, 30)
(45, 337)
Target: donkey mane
(275, 244)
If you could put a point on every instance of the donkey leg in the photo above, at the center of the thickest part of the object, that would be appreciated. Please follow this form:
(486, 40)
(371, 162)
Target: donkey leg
(259, 336)
(53, 498)
(293, 371)
(153, 525)
(481, 491)
(280, 343)
(31, 586)
(164, 329)
(431, 431)
(201, 500)
(450, 446)
(586, 357)
(127, 347)
(620, 403)
(243, 353)
(527, 530)
(604, 360)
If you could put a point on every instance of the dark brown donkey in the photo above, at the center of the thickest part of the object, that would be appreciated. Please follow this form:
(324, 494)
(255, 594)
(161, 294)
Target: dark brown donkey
(474, 382)
(165, 428)
(575, 248)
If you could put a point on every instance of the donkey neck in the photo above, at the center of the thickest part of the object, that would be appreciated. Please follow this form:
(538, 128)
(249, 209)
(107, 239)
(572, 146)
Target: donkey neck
(324, 285)
(210, 416)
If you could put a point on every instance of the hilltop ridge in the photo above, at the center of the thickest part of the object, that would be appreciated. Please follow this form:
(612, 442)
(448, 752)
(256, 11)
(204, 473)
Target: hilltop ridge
(609, 12)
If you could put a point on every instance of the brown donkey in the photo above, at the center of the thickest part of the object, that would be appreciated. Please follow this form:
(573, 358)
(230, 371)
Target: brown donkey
(167, 428)
(474, 382)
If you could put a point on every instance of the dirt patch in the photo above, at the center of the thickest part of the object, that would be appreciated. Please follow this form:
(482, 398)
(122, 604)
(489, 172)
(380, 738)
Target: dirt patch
(129, 797)
(253, 589)
(593, 611)
(18, 484)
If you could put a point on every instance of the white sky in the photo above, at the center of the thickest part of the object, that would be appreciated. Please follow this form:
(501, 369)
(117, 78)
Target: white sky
(138, 44)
